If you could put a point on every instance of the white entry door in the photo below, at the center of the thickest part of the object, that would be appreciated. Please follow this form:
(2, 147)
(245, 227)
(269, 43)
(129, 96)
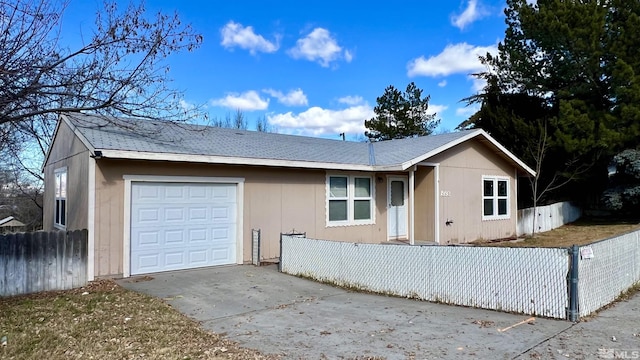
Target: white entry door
(397, 199)
(178, 226)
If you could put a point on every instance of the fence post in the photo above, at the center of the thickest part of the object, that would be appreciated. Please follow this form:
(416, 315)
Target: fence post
(574, 255)
(280, 260)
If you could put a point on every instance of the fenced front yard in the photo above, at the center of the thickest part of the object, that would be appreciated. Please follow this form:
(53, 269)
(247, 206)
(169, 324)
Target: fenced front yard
(42, 261)
(534, 281)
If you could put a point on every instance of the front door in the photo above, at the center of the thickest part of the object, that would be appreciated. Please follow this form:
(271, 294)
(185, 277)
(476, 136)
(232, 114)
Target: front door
(397, 214)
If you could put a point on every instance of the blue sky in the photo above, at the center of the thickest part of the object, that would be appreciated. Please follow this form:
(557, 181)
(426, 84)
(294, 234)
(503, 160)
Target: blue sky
(316, 68)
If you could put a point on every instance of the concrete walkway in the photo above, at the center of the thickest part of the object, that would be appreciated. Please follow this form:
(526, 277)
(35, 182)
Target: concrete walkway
(280, 314)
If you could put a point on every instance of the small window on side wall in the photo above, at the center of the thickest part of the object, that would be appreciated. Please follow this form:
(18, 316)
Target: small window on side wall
(60, 209)
(349, 200)
(495, 198)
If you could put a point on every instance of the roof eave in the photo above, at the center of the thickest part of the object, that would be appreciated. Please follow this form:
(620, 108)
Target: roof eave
(478, 132)
(74, 129)
(407, 164)
(228, 160)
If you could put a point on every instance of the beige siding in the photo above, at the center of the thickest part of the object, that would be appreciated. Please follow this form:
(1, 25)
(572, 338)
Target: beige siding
(461, 171)
(275, 200)
(425, 204)
(67, 151)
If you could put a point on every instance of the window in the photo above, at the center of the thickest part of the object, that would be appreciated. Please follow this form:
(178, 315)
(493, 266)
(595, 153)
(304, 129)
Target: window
(349, 200)
(495, 198)
(60, 211)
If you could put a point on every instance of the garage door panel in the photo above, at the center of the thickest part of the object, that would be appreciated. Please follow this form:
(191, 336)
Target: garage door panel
(199, 256)
(147, 238)
(222, 214)
(197, 193)
(173, 192)
(219, 255)
(181, 226)
(148, 193)
(198, 237)
(224, 194)
(199, 213)
(146, 216)
(174, 259)
(146, 262)
(174, 237)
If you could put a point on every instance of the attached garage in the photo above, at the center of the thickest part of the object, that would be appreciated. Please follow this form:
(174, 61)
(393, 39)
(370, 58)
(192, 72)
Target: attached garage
(177, 224)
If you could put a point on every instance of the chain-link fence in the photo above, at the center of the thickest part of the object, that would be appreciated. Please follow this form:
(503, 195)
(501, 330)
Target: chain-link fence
(535, 281)
(524, 280)
(606, 269)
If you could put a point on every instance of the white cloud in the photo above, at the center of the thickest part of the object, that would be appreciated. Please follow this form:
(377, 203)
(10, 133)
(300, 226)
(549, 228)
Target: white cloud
(467, 110)
(234, 34)
(456, 58)
(478, 84)
(471, 13)
(248, 101)
(186, 106)
(442, 83)
(436, 109)
(317, 121)
(319, 46)
(348, 56)
(292, 98)
(351, 100)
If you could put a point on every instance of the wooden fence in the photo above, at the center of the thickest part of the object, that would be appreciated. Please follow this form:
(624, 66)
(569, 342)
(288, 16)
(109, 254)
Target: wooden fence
(42, 261)
(547, 217)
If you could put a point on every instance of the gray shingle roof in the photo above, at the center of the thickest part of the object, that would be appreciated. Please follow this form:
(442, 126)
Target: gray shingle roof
(169, 138)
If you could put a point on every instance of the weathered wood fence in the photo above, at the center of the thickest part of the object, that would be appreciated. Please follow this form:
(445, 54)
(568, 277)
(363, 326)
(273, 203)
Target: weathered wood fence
(547, 217)
(42, 261)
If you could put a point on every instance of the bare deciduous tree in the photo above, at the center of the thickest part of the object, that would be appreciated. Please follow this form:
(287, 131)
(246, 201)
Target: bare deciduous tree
(118, 69)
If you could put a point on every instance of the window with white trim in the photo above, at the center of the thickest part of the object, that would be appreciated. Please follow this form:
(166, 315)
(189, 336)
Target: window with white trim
(60, 210)
(495, 198)
(349, 200)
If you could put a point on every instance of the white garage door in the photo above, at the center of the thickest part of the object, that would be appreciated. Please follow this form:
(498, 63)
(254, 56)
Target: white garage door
(182, 226)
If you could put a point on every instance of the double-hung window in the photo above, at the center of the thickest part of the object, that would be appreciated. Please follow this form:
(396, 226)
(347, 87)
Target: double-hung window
(495, 198)
(349, 200)
(60, 211)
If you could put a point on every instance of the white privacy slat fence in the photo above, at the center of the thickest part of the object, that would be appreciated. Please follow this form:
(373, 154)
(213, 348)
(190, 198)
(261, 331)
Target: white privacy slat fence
(525, 280)
(547, 217)
(534, 281)
(606, 269)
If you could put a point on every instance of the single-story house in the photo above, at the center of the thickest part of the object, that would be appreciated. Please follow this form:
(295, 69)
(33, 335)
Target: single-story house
(159, 196)
(10, 224)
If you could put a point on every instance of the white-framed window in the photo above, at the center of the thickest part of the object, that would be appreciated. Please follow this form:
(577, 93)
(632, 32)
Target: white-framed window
(495, 198)
(349, 200)
(60, 210)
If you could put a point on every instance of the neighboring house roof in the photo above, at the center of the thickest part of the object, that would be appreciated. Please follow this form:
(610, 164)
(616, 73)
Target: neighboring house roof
(130, 138)
(10, 221)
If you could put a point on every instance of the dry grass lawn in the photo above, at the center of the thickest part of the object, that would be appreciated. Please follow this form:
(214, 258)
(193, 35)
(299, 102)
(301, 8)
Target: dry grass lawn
(583, 231)
(105, 321)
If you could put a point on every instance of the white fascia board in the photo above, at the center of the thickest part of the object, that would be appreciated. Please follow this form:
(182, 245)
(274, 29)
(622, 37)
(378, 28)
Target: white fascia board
(225, 160)
(46, 157)
(442, 148)
(78, 133)
(508, 153)
(460, 140)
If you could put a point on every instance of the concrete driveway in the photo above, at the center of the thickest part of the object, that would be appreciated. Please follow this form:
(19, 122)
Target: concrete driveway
(280, 314)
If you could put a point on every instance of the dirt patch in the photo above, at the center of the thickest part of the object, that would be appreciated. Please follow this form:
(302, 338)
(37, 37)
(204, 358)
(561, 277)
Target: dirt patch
(584, 231)
(105, 321)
